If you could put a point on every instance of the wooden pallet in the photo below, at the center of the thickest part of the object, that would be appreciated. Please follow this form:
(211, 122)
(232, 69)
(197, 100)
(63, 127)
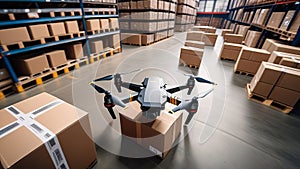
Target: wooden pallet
(6, 89)
(95, 32)
(243, 73)
(108, 52)
(23, 44)
(186, 65)
(222, 58)
(267, 102)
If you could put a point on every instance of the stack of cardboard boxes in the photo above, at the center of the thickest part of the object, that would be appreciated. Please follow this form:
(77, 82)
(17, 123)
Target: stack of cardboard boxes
(185, 15)
(154, 18)
(208, 38)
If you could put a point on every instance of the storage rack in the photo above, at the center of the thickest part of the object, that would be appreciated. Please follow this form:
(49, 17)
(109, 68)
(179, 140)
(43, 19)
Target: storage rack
(128, 12)
(185, 20)
(13, 14)
(215, 19)
(238, 11)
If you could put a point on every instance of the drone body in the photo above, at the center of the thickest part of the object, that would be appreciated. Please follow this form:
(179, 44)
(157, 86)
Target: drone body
(152, 95)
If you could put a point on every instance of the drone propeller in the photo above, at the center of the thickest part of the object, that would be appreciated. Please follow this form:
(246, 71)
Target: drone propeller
(191, 105)
(110, 77)
(200, 79)
(109, 100)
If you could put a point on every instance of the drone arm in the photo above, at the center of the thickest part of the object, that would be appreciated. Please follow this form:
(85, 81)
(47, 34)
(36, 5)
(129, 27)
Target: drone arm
(131, 98)
(174, 100)
(177, 89)
(131, 86)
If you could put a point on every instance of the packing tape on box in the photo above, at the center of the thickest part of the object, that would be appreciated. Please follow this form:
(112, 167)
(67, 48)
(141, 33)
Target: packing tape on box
(155, 151)
(44, 134)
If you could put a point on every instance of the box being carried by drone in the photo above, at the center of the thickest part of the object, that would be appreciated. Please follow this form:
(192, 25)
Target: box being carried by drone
(157, 136)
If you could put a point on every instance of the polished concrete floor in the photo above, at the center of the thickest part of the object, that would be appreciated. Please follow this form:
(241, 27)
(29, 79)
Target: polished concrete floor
(229, 131)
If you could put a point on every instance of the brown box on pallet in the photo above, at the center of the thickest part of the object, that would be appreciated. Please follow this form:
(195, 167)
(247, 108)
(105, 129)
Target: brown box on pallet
(104, 24)
(38, 31)
(290, 79)
(4, 74)
(56, 29)
(224, 31)
(252, 38)
(195, 44)
(114, 23)
(287, 19)
(97, 46)
(296, 24)
(150, 4)
(271, 45)
(209, 39)
(276, 57)
(243, 30)
(254, 54)
(134, 39)
(268, 73)
(56, 58)
(147, 38)
(92, 25)
(275, 19)
(133, 4)
(71, 27)
(30, 65)
(231, 51)
(157, 136)
(191, 56)
(23, 148)
(246, 66)
(284, 96)
(262, 16)
(116, 41)
(290, 62)
(233, 38)
(261, 89)
(13, 35)
(74, 51)
(194, 35)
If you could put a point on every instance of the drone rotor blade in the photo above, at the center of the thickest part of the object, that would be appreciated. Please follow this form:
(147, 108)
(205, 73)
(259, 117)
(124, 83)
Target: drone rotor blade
(204, 94)
(199, 79)
(181, 106)
(126, 73)
(98, 88)
(118, 101)
(108, 77)
(189, 118)
(111, 112)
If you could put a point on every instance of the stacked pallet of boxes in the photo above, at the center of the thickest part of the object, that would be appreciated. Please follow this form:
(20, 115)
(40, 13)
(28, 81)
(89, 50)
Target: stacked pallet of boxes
(185, 15)
(144, 22)
(42, 51)
(208, 34)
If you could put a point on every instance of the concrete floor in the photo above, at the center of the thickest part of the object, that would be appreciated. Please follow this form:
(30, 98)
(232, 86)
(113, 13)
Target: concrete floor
(229, 131)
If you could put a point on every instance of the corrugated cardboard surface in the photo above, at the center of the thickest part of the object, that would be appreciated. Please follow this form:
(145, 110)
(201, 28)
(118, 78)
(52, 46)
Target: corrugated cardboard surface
(30, 66)
(287, 19)
(194, 35)
(38, 31)
(233, 38)
(276, 19)
(247, 66)
(276, 57)
(97, 46)
(56, 29)
(22, 148)
(195, 44)
(285, 96)
(209, 39)
(71, 26)
(13, 35)
(74, 51)
(295, 24)
(290, 62)
(224, 31)
(56, 58)
(273, 45)
(261, 88)
(104, 23)
(92, 25)
(4, 74)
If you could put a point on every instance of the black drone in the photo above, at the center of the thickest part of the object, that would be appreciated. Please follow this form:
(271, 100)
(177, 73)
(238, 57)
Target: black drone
(152, 95)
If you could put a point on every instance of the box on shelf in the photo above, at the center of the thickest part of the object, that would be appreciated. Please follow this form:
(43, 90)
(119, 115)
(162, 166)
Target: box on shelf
(296, 24)
(97, 46)
(252, 38)
(104, 24)
(195, 44)
(72, 27)
(13, 35)
(57, 29)
(147, 38)
(92, 25)
(271, 45)
(243, 30)
(191, 56)
(225, 31)
(74, 51)
(287, 19)
(209, 39)
(56, 58)
(233, 38)
(157, 136)
(262, 16)
(31, 147)
(231, 51)
(116, 41)
(30, 65)
(275, 19)
(38, 31)
(114, 23)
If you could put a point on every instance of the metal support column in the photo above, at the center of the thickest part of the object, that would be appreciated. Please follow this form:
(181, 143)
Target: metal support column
(85, 29)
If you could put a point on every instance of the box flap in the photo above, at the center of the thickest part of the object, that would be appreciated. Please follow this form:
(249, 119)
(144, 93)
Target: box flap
(6, 118)
(131, 111)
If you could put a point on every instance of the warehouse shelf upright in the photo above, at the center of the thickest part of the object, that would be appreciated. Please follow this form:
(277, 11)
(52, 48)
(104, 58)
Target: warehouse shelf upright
(273, 6)
(45, 9)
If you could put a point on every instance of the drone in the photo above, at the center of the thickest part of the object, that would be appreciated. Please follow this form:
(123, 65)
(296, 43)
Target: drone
(152, 95)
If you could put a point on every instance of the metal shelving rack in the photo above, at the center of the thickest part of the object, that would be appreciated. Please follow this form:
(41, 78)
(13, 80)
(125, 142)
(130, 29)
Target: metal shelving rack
(81, 6)
(273, 6)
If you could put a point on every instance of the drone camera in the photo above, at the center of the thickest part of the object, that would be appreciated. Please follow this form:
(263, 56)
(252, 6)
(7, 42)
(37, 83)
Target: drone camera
(108, 102)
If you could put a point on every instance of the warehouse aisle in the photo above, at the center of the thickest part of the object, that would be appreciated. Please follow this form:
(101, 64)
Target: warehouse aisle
(229, 131)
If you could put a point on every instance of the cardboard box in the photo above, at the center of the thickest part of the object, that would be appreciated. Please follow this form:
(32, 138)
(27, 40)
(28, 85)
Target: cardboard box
(92, 25)
(263, 16)
(243, 30)
(194, 36)
(195, 44)
(116, 41)
(97, 46)
(233, 38)
(296, 24)
(191, 56)
(209, 39)
(104, 23)
(147, 38)
(56, 58)
(150, 4)
(74, 51)
(254, 54)
(287, 19)
(57, 29)
(247, 66)
(260, 88)
(285, 96)
(268, 73)
(72, 27)
(13, 35)
(252, 38)
(134, 39)
(271, 46)
(4, 74)
(114, 23)
(38, 31)
(133, 4)
(207, 29)
(290, 79)
(276, 57)
(33, 147)
(30, 65)
(290, 62)
(224, 31)
(157, 136)
(231, 51)
(275, 19)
